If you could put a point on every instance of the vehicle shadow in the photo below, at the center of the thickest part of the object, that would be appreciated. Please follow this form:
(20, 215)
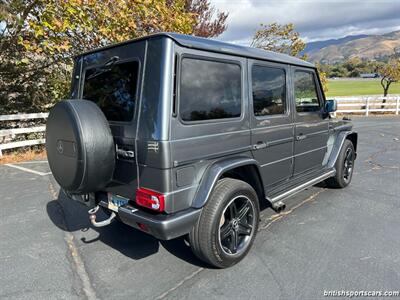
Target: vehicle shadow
(71, 216)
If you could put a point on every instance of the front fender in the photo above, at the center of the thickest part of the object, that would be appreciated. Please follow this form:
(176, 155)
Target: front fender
(213, 173)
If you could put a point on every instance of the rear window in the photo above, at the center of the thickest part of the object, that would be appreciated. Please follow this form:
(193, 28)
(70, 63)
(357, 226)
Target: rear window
(209, 90)
(113, 89)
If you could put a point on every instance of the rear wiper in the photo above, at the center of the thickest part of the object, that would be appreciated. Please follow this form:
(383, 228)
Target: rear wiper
(104, 67)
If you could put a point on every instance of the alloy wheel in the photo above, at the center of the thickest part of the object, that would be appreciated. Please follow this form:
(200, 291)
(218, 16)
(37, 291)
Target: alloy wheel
(348, 165)
(236, 225)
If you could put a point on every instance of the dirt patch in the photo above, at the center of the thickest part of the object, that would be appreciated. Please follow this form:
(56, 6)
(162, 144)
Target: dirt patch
(23, 156)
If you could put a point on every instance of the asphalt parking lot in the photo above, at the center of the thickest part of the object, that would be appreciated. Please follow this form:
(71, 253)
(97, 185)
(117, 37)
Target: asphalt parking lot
(326, 240)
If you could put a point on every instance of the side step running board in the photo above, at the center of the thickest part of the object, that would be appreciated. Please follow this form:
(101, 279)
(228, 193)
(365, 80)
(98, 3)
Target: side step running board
(302, 186)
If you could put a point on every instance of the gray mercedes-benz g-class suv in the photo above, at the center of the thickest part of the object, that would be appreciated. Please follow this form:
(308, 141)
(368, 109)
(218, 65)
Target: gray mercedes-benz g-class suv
(183, 136)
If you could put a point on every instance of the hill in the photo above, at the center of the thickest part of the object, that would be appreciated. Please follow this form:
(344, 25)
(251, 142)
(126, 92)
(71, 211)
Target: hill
(318, 45)
(373, 47)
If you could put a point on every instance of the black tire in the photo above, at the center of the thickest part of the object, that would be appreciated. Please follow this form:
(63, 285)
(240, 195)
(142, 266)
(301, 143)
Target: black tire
(229, 195)
(80, 146)
(344, 167)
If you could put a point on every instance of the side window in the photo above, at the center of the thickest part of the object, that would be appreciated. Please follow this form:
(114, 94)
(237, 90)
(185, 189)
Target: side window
(269, 91)
(305, 92)
(209, 90)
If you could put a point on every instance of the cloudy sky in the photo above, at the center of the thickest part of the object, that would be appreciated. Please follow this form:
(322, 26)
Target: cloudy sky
(315, 20)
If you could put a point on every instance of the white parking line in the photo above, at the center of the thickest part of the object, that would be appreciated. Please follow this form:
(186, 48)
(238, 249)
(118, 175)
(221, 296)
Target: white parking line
(31, 162)
(28, 170)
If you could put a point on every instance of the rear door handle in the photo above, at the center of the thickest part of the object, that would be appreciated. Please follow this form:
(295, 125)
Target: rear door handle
(260, 145)
(301, 137)
(127, 154)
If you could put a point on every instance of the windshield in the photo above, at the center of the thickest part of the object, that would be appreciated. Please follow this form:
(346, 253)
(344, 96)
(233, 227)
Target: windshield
(114, 89)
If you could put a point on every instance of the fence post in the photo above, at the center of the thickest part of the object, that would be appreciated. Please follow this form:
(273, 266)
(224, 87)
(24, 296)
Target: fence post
(397, 105)
(367, 106)
(337, 104)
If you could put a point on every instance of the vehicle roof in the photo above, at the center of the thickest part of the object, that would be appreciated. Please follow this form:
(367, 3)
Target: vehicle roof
(206, 44)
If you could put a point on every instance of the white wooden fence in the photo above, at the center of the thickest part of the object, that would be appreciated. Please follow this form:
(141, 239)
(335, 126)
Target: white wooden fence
(12, 132)
(358, 104)
(366, 105)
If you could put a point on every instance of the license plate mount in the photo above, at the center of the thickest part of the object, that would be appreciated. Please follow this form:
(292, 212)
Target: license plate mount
(115, 201)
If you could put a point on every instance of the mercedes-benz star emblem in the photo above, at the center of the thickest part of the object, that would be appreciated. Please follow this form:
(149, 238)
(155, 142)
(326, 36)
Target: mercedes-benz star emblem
(60, 147)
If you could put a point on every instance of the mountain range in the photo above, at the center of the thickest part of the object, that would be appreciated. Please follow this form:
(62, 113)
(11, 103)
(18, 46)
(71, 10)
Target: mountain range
(372, 47)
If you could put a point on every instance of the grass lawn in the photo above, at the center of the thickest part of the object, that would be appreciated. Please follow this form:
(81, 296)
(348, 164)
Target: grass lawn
(354, 87)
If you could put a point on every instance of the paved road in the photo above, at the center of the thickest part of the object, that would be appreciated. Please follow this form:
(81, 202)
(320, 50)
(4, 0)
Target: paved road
(326, 240)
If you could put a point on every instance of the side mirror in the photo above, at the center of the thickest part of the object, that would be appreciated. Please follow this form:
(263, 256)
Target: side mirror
(330, 106)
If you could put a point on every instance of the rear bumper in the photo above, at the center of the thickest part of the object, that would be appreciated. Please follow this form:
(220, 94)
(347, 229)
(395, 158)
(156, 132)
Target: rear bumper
(163, 227)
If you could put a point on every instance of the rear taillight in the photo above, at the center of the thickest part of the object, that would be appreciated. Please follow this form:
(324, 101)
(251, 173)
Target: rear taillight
(150, 199)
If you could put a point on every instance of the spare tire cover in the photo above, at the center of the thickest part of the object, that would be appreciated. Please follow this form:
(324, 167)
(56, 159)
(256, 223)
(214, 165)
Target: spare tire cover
(80, 146)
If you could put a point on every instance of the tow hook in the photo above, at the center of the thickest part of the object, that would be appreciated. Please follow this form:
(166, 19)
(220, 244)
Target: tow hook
(92, 216)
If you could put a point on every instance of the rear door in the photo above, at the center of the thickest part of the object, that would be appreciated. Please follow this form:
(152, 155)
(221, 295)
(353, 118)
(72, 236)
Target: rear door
(311, 129)
(111, 78)
(211, 119)
(271, 122)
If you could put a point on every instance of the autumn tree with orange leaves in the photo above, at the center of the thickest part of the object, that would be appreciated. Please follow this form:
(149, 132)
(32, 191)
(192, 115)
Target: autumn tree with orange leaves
(38, 39)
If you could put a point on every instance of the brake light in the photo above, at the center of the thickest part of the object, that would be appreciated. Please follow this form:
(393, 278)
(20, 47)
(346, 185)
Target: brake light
(150, 199)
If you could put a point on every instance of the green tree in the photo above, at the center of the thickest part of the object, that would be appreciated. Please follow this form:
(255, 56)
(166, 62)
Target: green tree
(25, 78)
(352, 67)
(338, 71)
(356, 66)
(324, 68)
(390, 73)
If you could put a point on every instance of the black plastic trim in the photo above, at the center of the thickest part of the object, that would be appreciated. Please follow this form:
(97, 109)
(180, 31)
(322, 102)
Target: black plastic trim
(161, 226)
